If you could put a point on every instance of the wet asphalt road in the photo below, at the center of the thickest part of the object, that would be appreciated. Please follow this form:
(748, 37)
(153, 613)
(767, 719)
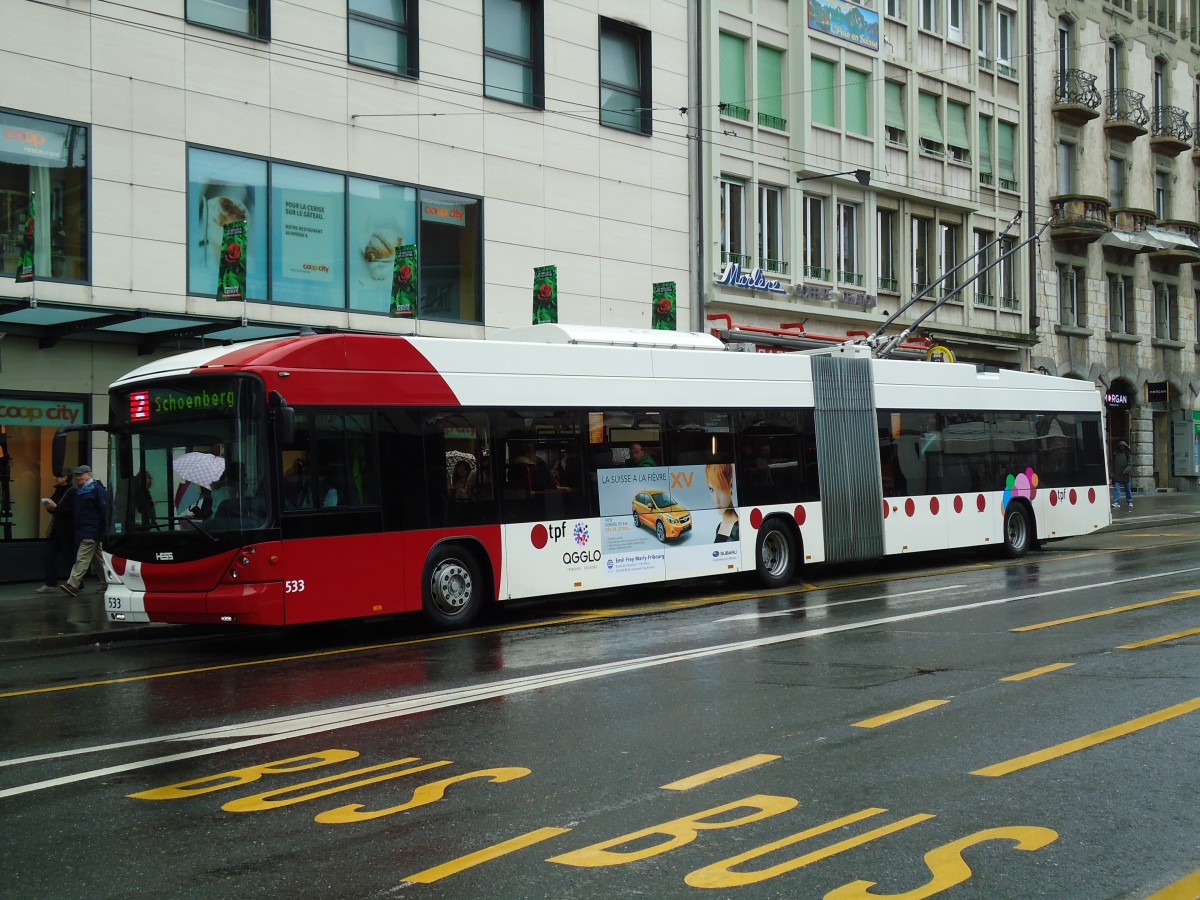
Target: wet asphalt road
(967, 728)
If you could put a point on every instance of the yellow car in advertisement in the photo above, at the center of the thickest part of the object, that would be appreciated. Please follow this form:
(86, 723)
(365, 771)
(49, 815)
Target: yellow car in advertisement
(660, 511)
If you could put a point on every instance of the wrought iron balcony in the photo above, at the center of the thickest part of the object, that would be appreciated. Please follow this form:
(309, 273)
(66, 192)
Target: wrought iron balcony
(1076, 99)
(1078, 217)
(1171, 134)
(1126, 117)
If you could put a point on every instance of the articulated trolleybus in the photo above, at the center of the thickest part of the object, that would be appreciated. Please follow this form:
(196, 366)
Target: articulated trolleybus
(342, 476)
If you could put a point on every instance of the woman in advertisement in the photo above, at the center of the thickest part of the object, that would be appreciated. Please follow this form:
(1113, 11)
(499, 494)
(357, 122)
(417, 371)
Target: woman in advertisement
(719, 477)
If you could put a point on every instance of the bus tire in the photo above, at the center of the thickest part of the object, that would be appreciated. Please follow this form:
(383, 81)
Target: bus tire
(452, 596)
(1019, 537)
(775, 554)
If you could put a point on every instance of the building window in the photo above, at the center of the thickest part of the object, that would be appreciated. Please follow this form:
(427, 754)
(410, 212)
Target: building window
(733, 223)
(983, 35)
(1072, 295)
(1006, 155)
(954, 20)
(887, 251)
(922, 254)
(1004, 43)
(332, 241)
(895, 119)
(1114, 76)
(770, 229)
(894, 8)
(1117, 168)
(733, 77)
(770, 88)
(949, 250)
(625, 77)
(824, 107)
(928, 15)
(814, 238)
(383, 35)
(1008, 273)
(1066, 167)
(983, 270)
(1121, 311)
(931, 124)
(855, 98)
(249, 17)
(512, 52)
(1166, 301)
(985, 150)
(1066, 29)
(847, 245)
(957, 139)
(44, 165)
(1162, 194)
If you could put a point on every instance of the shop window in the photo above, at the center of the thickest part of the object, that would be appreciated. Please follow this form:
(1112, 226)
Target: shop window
(512, 52)
(308, 238)
(223, 190)
(383, 222)
(27, 427)
(625, 95)
(451, 282)
(44, 168)
(382, 34)
(249, 17)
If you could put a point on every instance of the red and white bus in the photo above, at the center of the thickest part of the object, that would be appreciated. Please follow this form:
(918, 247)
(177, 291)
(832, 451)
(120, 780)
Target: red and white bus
(337, 476)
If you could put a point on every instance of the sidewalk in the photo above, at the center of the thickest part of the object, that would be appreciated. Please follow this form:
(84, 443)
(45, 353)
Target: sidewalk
(32, 621)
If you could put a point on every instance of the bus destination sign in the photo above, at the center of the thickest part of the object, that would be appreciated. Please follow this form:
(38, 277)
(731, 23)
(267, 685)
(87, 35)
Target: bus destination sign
(159, 403)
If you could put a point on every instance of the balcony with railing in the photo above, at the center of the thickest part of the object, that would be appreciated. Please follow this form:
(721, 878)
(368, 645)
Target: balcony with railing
(845, 276)
(1170, 133)
(1078, 217)
(1180, 240)
(821, 273)
(734, 111)
(774, 266)
(1076, 100)
(1126, 117)
(742, 259)
(889, 285)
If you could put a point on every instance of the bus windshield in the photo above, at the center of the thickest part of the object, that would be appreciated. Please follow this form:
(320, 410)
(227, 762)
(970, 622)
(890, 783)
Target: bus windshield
(195, 462)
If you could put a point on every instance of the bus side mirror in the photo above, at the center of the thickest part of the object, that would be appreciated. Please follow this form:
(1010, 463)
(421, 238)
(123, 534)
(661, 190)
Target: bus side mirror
(285, 426)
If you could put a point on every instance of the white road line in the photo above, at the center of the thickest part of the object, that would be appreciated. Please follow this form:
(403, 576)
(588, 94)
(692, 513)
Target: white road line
(305, 724)
(813, 608)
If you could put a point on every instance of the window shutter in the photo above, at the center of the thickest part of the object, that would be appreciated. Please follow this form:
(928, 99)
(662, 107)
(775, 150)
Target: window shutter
(931, 123)
(893, 112)
(823, 112)
(770, 81)
(985, 145)
(856, 101)
(733, 69)
(956, 125)
(1006, 140)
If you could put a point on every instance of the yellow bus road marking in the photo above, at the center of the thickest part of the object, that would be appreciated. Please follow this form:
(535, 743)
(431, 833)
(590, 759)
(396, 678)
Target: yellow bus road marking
(733, 768)
(887, 718)
(1109, 612)
(1160, 640)
(437, 873)
(1088, 740)
(1034, 673)
(1187, 888)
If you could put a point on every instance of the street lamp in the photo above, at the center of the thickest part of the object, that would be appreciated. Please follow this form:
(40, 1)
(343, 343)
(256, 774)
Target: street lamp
(862, 175)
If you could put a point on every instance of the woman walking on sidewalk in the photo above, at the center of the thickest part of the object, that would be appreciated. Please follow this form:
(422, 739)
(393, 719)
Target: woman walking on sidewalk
(61, 506)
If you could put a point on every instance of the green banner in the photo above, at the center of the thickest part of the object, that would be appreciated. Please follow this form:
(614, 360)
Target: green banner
(25, 254)
(545, 295)
(404, 282)
(231, 276)
(663, 315)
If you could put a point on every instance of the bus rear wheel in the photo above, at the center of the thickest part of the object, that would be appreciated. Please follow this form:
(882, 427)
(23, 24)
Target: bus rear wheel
(775, 555)
(1018, 531)
(453, 593)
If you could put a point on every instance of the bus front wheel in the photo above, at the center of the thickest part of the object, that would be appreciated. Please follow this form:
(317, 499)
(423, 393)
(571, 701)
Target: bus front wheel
(776, 555)
(453, 594)
(1018, 531)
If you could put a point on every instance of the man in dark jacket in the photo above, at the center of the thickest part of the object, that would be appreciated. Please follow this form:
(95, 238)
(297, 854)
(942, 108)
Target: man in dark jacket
(1122, 474)
(61, 506)
(91, 512)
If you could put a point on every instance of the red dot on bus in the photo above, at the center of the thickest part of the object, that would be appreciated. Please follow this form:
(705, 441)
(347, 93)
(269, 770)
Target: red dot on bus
(1074, 497)
(910, 507)
(934, 505)
(885, 509)
(958, 504)
(1054, 498)
(1091, 495)
(800, 515)
(981, 503)
(118, 564)
(755, 518)
(539, 536)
